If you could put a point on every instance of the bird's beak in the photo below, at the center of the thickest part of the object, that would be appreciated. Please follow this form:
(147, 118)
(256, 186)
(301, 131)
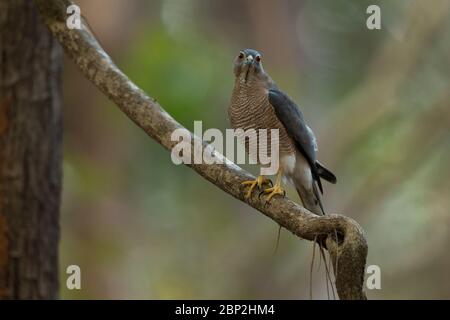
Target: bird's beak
(249, 59)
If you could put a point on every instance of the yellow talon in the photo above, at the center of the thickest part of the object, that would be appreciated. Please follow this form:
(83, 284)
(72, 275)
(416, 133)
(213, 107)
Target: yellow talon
(276, 189)
(260, 181)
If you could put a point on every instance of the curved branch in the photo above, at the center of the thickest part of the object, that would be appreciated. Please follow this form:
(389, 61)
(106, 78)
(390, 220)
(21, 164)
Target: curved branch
(97, 66)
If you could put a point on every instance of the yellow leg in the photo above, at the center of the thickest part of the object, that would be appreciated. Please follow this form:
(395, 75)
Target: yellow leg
(260, 181)
(276, 189)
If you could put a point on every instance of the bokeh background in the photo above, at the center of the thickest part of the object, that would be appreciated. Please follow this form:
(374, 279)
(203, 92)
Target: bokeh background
(379, 102)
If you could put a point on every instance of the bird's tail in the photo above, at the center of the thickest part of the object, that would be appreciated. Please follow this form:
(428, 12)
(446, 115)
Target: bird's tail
(318, 198)
(306, 181)
(311, 199)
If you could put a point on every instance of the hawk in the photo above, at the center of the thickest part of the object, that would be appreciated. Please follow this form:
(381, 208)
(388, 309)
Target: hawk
(257, 103)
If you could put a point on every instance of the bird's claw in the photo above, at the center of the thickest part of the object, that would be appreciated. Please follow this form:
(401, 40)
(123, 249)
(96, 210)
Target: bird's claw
(273, 191)
(260, 181)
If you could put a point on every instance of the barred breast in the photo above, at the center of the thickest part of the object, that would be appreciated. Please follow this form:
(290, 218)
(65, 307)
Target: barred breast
(250, 109)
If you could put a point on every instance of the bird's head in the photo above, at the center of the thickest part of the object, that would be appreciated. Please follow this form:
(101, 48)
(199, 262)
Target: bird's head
(248, 66)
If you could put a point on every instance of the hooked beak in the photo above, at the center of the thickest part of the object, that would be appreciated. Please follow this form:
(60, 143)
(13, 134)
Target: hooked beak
(246, 66)
(248, 62)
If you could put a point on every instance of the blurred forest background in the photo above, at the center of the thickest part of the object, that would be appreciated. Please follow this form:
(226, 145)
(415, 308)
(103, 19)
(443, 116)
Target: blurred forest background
(379, 102)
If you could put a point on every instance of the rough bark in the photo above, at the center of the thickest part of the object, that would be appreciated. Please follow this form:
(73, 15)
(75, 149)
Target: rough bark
(351, 250)
(30, 153)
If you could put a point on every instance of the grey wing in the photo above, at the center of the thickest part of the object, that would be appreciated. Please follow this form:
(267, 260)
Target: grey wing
(292, 119)
(314, 141)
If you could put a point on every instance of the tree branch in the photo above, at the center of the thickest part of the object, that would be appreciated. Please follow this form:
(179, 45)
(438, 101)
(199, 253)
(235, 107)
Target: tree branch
(145, 111)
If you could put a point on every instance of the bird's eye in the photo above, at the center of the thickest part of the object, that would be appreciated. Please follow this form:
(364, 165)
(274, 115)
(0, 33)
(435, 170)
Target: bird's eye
(241, 55)
(258, 58)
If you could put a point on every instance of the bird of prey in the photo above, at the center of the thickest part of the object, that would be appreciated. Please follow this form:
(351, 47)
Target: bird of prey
(257, 103)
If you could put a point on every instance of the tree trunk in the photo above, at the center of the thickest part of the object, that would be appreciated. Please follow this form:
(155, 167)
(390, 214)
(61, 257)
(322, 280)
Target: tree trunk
(30, 153)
